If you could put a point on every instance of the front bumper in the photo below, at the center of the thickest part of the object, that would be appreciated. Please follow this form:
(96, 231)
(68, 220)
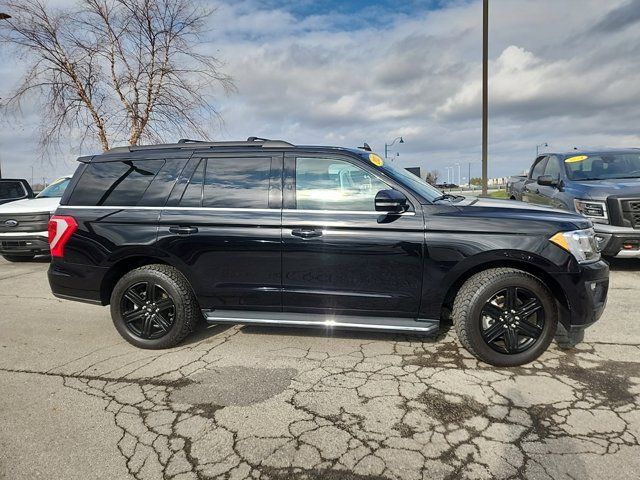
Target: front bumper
(586, 290)
(35, 243)
(620, 242)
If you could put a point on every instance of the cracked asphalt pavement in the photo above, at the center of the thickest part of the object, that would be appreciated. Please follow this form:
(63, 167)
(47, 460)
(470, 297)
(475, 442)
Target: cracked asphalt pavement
(243, 402)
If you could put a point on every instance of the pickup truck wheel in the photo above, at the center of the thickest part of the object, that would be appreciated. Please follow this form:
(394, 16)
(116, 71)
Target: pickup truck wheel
(505, 317)
(154, 307)
(18, 258)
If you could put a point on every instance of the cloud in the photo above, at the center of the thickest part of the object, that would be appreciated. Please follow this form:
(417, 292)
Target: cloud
(561, 72)
(620, 18)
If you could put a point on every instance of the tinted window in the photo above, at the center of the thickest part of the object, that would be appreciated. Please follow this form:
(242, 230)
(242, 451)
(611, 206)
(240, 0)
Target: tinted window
(11, 190)
(115, 183)
(157, 193)
(553, 167)
(538, 170)
(55, 189)
(603, 166)
(327, 184)
(192, 196)
(237, 183)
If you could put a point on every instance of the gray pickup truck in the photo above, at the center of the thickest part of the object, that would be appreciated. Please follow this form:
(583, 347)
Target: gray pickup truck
(604, 186)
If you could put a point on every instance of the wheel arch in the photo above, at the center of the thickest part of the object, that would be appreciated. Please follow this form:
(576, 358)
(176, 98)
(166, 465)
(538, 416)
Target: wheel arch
(125, 265)
(552, 284)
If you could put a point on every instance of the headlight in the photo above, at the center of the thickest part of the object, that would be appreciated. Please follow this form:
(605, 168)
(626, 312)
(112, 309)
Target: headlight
(595, 210)
(581, 244)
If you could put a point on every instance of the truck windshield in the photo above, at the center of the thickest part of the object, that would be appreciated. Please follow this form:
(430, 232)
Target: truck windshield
(603, 166)
(55, 190)
(418, 185)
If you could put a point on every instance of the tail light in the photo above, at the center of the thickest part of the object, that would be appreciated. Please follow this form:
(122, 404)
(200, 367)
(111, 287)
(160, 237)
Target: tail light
(61, 228)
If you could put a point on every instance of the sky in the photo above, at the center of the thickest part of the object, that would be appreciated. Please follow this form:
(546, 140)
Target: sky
(562, 72)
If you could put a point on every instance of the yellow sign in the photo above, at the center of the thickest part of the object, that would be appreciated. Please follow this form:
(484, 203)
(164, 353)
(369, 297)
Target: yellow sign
(375, 159)
(579, 158)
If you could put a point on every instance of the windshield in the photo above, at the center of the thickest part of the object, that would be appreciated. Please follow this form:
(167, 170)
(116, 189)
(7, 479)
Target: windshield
(55, 190)
(603, 166)
(414, 182)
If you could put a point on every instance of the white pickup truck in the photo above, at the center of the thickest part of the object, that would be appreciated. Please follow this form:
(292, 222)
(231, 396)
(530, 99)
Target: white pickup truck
(24, 223)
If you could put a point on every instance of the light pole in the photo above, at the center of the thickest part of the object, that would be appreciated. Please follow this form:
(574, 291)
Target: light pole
(485, 96)
(543, 145)
(387, 145)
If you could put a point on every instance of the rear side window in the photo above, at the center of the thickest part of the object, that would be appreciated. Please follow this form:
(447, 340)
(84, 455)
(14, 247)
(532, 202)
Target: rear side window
(237, 183)
(115, 183)
(11, 190)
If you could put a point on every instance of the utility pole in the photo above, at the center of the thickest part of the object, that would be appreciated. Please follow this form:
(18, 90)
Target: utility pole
(485, 96)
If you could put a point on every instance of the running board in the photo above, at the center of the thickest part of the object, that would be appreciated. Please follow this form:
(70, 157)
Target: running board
(287, 319)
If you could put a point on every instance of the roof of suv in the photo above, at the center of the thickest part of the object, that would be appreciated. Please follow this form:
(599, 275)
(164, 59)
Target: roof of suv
(186, 144)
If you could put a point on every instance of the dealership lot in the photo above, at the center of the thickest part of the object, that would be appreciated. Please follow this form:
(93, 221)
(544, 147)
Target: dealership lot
(245, 402)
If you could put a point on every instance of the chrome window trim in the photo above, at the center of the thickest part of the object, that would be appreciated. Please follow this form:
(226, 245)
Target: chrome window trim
(217, 209)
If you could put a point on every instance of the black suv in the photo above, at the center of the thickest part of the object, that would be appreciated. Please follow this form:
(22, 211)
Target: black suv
(265, 232)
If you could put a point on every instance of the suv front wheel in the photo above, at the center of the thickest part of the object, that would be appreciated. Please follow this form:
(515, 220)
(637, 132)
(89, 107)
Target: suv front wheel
(154, 307)
(505, 317)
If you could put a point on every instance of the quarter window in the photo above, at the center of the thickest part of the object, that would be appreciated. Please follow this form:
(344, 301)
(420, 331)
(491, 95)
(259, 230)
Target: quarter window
(328, 184)
(115, 183)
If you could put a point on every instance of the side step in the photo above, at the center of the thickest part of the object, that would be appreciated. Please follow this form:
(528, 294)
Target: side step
(287, 319)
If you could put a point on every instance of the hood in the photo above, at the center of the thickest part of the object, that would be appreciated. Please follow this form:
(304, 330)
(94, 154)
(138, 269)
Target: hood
(601, 189)
(497, 215)
(31, 205)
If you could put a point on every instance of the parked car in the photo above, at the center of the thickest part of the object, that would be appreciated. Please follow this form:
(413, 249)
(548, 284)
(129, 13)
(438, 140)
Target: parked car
(604, 186)
(23, 223)
(515, 185)
(268, 233)
(446, 186)
(12, 189)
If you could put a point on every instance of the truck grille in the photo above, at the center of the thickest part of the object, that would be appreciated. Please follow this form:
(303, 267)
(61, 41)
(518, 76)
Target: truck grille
(631, 212)
(24, 222)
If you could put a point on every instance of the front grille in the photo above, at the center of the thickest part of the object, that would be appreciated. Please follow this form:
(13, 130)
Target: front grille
(631, 212)
(26, 222)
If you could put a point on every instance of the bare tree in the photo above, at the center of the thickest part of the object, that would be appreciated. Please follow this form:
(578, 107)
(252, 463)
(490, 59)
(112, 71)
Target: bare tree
(432, 177)
(116, 70)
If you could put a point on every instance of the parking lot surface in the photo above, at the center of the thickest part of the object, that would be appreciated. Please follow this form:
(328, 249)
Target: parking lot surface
(78, 402)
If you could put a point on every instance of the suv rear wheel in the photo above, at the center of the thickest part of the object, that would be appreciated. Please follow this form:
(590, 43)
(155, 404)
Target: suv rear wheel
(505, 317)
(154, 307)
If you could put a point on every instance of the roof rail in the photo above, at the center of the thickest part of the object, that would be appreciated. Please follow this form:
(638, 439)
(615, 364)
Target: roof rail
(185, 143)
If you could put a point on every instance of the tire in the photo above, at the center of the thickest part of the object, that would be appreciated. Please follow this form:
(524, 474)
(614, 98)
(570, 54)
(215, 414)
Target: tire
(476, 320)
(18, 258)
(164, 284)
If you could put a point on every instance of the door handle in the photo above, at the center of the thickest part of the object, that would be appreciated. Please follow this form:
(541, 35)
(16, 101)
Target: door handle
(183, 230)
(306, 232)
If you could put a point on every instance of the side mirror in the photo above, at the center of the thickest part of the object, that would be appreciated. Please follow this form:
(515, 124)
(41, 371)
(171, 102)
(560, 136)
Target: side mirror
(548, 181)
(391, 201)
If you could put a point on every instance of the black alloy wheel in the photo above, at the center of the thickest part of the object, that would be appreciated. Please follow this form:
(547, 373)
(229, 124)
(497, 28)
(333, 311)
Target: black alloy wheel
(147, 310)
(512, 320)
(505, 316)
